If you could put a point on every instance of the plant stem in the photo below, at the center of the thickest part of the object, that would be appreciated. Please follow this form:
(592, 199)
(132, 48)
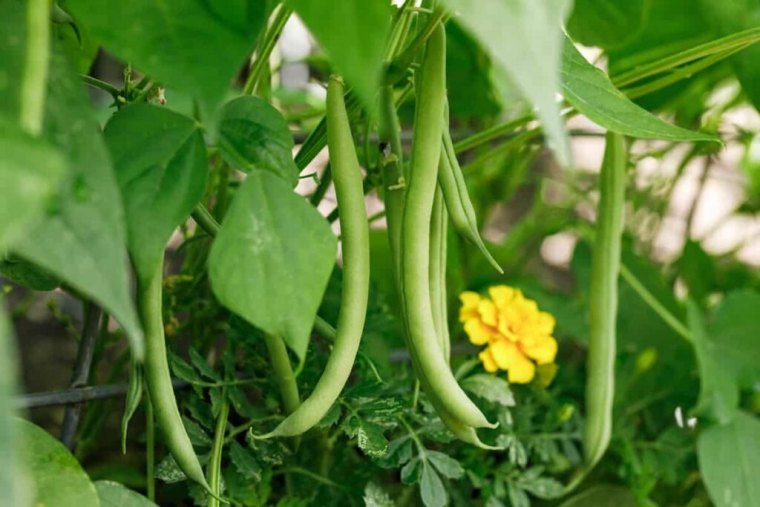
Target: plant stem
(283, 372)
(215, 459)
(322, 186)
(205, 220)
(261, 59)
(670, 319)
(34, 79)
(150, 450)
(101, 85)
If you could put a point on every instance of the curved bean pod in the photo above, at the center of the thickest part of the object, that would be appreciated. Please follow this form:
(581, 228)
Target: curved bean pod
(353, 304)
(438, 228)
(158, 378)
(605, 267)
(415, 236)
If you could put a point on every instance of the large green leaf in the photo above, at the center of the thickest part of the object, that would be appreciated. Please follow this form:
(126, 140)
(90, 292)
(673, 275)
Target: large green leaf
(14, 489)
(353, 36)
(192, 45)
(607, 23)
(718, 394)
(113, 494)
(729, 458)
(592, 93)
(736, 332)
(57, 477)
(254, 135)
(160, 161)
(29, 173)
(524, 38)
(272, 259)
(602, 495)
(13, 42)
(81, 237)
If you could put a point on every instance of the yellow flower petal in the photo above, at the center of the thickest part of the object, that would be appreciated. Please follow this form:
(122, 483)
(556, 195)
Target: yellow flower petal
(504, 353)
(488, 363)
(522, 370)
(502, 295)
(478, 332)
(488, 313)
(469, 307)
(542, 352)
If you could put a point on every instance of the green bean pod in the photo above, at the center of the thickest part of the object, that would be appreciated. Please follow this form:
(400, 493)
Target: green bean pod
(355, 243)
(158, 379)
(438, 229)
(415, 236)
(603, 301)
(283, 372)
(458, 203)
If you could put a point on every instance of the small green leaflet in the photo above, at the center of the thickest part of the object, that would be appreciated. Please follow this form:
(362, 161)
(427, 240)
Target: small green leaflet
(113, 494)
(592, 93)
(272, 259)
(160, 161)
(254, 135)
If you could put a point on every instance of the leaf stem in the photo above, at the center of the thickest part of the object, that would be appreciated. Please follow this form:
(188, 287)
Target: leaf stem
(215, 460)
(150, 450)
(261, 59)
(283, 372)
(101, 85)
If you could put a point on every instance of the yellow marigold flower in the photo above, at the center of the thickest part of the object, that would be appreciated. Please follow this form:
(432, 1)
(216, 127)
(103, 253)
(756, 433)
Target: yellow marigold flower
(517, 335)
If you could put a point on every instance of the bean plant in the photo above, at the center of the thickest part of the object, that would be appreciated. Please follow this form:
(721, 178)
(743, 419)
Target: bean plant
(342, 292)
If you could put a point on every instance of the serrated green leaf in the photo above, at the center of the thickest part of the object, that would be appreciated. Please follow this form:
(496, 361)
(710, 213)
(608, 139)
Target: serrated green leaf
(369, 436)
(245, 462)
(168, 471)
(199, 363)
(272, 258)
(254, 135)
(160, 161)
(353, 34)
(448, 466)
(81, 237)
(113, 494)
(607, 23)
(190, 45)
(729, 458)
(30, 170)
(56, 475)
(374, 496)
(592, 93)
(524, 39)
(198, 437)
(491, 388)
(431, 487)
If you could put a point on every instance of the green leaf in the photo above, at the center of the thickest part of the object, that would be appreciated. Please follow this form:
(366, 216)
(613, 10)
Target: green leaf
(524, 39)
(602, 495)
(134, 396)
(490, 387)
(57, 478)
(375, 496)
(254, 135)
(12, 485)
(353, 35)
(607, 23)
(27, 274)
(272, 259)
(412, 471)
(113, 494)
(13, 42)
(729, 458)
(191, 45)
(448, 466)
(431, 487)
(592, 93)
(30, 170)
(718, 394)
(81, 237)
(369, 436)
(736, 334)
(160, 163)
(245, 462)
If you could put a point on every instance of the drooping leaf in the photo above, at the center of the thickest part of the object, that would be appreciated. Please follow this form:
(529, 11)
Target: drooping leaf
(353, 35)
(491, 388)
(56, 476)
(607, 23)
(718, 394)
(272, 259)
(524, 38)
(81, 238)
(254, 135)
(30, 170)
(729, 458)
(113, 494)
(592, 93)
(191, 45)
(160, 163)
